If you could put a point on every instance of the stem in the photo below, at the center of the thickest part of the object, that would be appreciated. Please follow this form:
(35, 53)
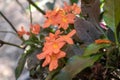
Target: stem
(40, 10)
(30, 14)
(116, 38)
(7, 43)
(8, 21)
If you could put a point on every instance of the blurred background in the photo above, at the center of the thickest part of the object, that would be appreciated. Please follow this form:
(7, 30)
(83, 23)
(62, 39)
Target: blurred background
(17, 12)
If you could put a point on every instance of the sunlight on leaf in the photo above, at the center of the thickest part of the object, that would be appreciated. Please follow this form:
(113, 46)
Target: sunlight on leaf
(75, 65)
(111, 15)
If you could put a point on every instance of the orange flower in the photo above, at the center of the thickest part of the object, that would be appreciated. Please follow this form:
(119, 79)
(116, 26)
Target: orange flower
(22, 32)
(52, 36)
(67, 38)
(75, 9)
(67, 8)
(54, 47)
(51, 18)
(72, 9)
(35, 29)
(62, 17)
(52, 60)
(48, 22)
(65, 20)
(102, 41)
(51, 50)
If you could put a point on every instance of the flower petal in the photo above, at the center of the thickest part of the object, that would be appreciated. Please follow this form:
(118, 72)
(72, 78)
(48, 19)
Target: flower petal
(61, 54)
(47, 61)
(41, 55)
(53, 64)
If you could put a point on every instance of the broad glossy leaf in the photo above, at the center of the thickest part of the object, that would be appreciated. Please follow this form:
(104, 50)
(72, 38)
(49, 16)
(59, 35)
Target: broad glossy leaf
(112, 13)
(93, 49)
(21, 62)
(75, 65)
(86, 31)
(73, 50)
(20, 65)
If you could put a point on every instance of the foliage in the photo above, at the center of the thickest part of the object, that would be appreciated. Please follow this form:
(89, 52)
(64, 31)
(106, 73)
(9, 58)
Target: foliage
(73, 43)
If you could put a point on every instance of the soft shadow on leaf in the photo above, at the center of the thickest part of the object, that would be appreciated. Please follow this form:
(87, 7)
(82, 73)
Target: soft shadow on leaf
(32, 60)
(75, 65)
(73, 50)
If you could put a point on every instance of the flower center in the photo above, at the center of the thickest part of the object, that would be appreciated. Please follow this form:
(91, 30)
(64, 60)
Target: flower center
(64, 19)
(55, 45)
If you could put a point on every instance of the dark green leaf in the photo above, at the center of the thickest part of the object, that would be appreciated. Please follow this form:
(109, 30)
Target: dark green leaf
(50, 5)
(75, 65)
(73, 50)
(20, 65)
(93, 48)
(74, 1)
(112, 13)
(22, 61)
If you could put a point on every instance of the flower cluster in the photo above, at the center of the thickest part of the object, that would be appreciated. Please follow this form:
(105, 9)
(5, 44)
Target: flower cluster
(51, 50)
(62, 17)
(34, 29)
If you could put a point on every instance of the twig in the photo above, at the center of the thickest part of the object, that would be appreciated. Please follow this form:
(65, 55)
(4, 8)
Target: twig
(40, 10)
(8, 32)
(10, 24)
(20, 5)
(8, 21)
(30, 13)
(7, 43)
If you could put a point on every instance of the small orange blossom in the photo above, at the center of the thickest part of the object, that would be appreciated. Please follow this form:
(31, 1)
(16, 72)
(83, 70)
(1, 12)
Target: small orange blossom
(102, 41)
(22, 31)
(35, 29)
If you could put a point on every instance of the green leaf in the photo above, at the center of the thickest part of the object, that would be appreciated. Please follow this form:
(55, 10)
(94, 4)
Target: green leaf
(74, 1)
(112, 13)
(93, 49)
(22, 61)
(20, 65)
(75, 65)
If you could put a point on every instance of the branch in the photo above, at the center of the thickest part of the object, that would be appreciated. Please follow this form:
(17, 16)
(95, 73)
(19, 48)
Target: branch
(10, 24)
(8, 32)
(20, 5)
(8, 21)
(30, 14)
(40, 10)
(7, 43)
